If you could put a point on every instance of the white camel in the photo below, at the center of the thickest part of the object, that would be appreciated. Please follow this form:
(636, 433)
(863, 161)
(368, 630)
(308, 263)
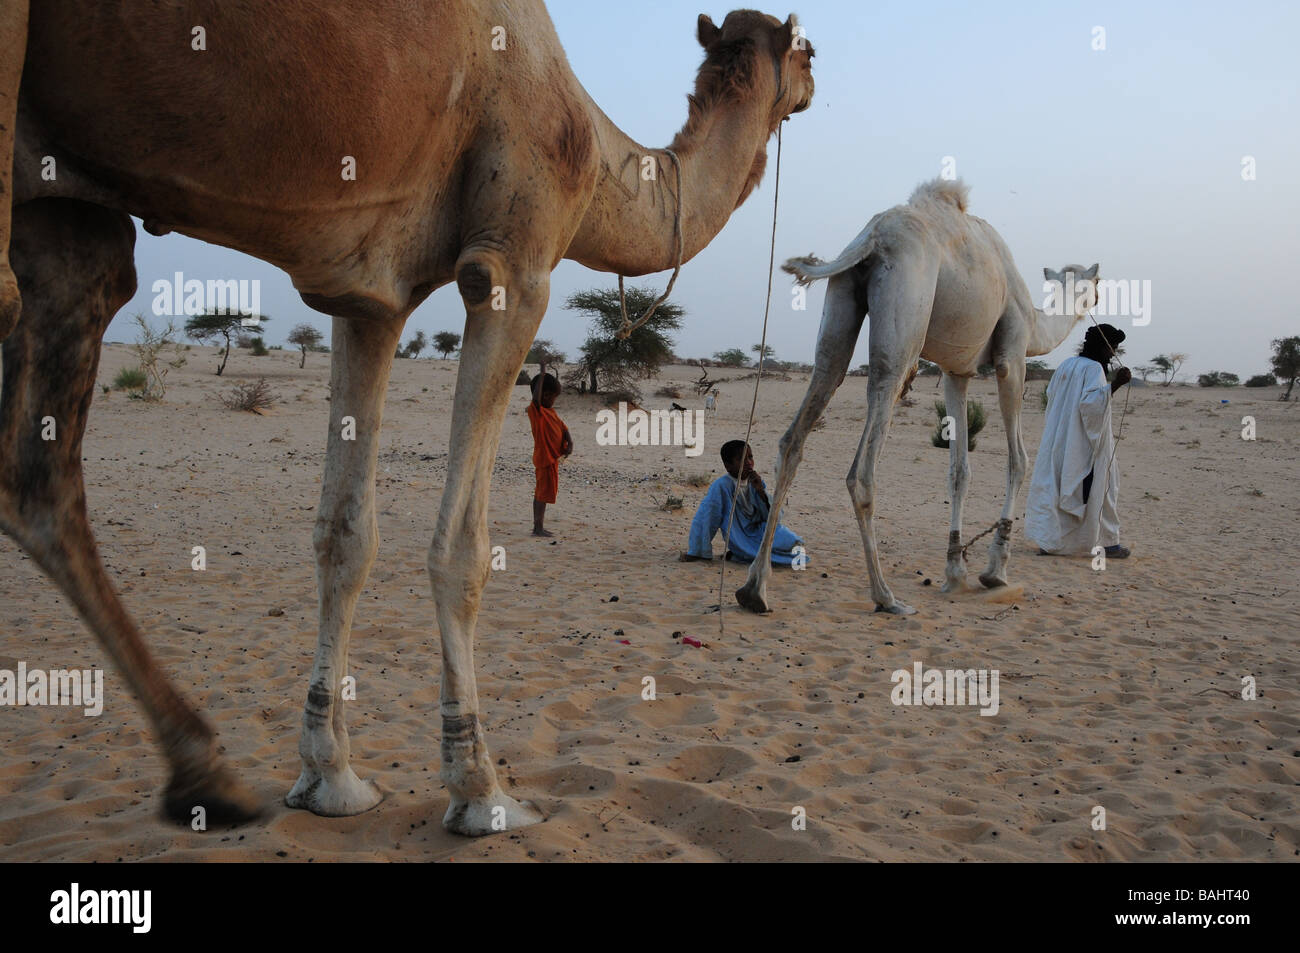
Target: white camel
(938, 284)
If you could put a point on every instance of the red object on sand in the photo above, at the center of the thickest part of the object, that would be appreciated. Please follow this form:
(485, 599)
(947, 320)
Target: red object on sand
(690, 641)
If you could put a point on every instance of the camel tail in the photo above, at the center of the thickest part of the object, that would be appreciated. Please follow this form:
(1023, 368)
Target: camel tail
(808, 269)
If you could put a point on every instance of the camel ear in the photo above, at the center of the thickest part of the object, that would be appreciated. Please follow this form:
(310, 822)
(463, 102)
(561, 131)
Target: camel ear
(1091, 272)
(1053, 275)
(785, 35)
(706, 32)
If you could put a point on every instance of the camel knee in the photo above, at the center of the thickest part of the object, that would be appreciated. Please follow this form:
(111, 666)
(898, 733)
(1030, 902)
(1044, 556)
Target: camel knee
(863, 494)
(959, 477)
(458, 569)
(345, 542)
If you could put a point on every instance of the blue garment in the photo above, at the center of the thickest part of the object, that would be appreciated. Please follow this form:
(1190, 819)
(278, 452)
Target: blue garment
(746, 536)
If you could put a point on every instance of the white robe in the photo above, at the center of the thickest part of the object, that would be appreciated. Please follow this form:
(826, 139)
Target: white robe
(1076, 439)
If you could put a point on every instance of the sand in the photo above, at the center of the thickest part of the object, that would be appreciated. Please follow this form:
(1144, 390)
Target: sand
(1119, 689)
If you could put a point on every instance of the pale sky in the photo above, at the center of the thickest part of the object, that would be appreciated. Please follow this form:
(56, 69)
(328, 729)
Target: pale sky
(1131, 156)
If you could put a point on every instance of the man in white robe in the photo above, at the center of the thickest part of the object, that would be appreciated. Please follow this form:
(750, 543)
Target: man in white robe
(1074, 493)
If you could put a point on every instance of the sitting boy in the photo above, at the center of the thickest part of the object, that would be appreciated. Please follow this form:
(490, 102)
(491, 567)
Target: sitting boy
(752, 512)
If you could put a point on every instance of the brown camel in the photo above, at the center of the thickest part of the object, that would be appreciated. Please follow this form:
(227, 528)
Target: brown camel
(478, 157)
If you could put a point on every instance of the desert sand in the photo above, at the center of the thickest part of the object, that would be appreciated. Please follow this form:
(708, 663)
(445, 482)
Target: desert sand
(1119, 688)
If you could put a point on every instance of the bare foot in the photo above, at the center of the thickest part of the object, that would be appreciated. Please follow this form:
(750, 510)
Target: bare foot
(538, 531)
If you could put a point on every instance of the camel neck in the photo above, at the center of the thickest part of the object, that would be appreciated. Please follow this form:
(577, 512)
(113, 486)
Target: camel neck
(629, 225)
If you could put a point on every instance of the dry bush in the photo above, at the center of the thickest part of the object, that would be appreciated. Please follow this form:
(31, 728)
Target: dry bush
(253, 397)
(616, 397)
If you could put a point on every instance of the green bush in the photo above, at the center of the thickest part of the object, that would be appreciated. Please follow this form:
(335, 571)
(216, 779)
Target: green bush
(259, 348)
(975, 420)
(1262, 380)
(130, 378)
(1218, 379)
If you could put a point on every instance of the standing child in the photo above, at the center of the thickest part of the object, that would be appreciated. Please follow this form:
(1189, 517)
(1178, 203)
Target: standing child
(551, 441)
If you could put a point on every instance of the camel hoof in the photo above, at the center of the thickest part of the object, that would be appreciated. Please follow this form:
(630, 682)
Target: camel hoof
(991, 582)
(341, 796)
(491, 815)
(750, 599)
(896, 608)
(223, 798)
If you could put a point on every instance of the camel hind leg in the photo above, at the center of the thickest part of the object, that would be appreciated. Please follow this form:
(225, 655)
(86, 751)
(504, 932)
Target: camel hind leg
(13, 49)
(841, 324)
(75, 269)
(901, 298)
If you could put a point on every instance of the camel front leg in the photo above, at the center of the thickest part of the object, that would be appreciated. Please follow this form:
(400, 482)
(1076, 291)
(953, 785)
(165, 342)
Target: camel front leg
(496, 342)
(841, 324)
(954, 400)
(345, 541)
(13, 50)
(1011, 383)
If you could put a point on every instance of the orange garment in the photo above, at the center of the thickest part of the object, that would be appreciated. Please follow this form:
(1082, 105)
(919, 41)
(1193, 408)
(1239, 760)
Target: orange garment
(548, 436)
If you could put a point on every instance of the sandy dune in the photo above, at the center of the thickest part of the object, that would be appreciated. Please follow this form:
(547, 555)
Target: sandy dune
(1118, 688)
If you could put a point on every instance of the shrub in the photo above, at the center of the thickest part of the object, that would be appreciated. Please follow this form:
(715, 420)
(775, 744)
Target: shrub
(1262, 380)
(259, 348)
(130, 378)
(622, 396)
(699, 480)
(1218, 379)
(975, 419)
(672, 392)
(253, 397)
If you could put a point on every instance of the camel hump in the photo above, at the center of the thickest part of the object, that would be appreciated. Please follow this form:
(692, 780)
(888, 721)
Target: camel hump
(955, 192)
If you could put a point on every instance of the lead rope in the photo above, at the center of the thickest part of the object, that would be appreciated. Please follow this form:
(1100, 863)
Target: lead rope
(628, 325)
(762, 355)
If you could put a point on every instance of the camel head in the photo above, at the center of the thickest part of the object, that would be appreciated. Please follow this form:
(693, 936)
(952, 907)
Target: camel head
(1074, 290)
(746, 42)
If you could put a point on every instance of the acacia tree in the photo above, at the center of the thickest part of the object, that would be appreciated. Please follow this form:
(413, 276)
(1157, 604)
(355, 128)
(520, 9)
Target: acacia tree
(732, 357)
(1168, 365)
(544, 352)
(444, 342)
(1286, 362)
(416, 344)
(766, 351)
(304, 337)
(214, 327)
(620, 362)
